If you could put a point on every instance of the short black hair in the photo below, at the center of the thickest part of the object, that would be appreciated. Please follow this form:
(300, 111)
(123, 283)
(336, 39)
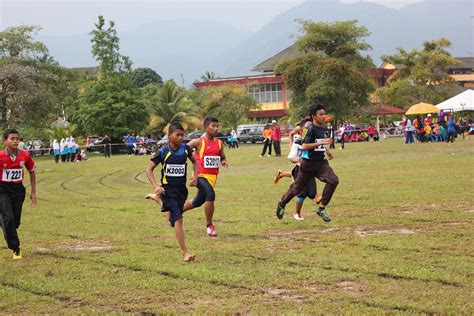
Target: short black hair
(8, 132)
(315, 108)
(175, 126)
(209, 120)
(303, 121)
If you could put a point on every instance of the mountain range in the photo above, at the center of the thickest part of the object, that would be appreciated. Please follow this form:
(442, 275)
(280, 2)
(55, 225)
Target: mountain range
(185, 49)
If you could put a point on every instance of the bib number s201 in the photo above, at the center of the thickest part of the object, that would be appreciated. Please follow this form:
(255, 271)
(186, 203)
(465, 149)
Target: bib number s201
(10, 175)
(212, 161)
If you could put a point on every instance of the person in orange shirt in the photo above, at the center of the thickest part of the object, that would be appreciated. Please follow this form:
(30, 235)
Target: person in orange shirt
(267, 142)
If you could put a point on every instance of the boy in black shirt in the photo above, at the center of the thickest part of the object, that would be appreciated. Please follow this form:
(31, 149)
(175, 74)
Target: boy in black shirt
(314, 164)
(173, 189)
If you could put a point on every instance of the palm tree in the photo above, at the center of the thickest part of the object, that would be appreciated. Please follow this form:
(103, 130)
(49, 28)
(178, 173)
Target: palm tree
(208, 75)
(171, 105)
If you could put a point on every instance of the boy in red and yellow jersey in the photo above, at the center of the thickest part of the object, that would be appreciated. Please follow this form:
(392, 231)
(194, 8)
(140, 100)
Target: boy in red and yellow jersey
(209, 154)
(12, 191)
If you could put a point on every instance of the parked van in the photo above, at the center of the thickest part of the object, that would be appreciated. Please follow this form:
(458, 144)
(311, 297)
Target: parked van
(250, 133)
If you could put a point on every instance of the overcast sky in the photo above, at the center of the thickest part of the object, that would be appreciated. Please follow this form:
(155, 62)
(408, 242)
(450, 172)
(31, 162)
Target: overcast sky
(68, 17)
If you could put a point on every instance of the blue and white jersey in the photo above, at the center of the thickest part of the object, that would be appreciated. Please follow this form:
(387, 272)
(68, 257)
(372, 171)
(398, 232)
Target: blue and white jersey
(174, 164)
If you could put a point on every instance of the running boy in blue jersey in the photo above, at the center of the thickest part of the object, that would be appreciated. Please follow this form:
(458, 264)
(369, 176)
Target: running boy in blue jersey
(173, 191)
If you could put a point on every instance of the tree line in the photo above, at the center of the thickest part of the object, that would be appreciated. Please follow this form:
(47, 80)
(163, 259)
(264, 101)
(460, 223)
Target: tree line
(45, 100)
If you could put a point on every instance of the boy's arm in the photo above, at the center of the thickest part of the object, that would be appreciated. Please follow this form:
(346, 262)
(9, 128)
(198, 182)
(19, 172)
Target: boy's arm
(33, 197)
(224, 161)
(329, 153)
(194, 143)
(292, 133)
(151, 177)
(195, 172)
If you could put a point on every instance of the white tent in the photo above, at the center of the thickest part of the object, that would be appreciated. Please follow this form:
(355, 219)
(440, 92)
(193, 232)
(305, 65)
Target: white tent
(461, 102)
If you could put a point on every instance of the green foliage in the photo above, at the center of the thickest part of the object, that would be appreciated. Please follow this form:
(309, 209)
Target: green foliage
(145, 76)
(421, 75)
(228, 103)
(110, 106)
(105, 49)
(169, 104)
(208, 75)
(332, 72)
(34, 88)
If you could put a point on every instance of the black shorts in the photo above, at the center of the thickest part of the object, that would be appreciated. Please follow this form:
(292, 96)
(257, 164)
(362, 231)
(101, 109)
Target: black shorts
(205, 192)
(173, 202)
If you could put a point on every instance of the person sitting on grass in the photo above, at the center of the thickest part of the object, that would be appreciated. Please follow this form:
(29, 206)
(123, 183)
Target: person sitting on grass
(172, 193)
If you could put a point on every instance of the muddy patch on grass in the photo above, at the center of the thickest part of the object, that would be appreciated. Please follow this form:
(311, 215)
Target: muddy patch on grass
(80, 246)
(347, 287)
(291, 235)
(363, 232)
(287, 295)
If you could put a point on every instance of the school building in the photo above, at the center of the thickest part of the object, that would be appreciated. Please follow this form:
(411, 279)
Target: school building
(271, 92)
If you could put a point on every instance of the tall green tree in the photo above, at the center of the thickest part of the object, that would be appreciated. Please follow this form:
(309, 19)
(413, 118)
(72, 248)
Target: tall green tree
(169, 104)
(105, 49)
(111, 104)
(421, 75)
(332, 71)
(231, 104)
(208, 75)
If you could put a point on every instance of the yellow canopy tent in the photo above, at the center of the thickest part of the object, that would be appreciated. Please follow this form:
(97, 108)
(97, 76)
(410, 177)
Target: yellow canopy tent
(422, 108)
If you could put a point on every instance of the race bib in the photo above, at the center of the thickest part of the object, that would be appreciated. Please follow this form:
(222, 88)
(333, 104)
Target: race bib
(212, 161)
(321, 147)
(10, 175)
(175, 170)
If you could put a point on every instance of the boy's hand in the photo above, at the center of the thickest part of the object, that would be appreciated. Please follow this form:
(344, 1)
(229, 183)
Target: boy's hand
(330, 156)
(34, 199)
(327, 141)
(225, 163)
(193, 182)
(159, 190)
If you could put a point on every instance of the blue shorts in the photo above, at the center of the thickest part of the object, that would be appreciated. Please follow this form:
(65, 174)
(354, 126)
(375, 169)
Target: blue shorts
(173, 202)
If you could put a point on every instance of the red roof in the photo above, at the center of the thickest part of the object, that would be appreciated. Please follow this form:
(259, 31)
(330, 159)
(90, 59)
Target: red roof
(239, 81)
(384, 109)
(267, 113)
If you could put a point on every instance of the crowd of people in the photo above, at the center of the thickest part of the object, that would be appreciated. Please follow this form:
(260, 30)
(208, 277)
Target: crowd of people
(67, 150)
(442, 128)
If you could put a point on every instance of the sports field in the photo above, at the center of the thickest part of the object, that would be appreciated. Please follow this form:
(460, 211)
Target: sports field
(401, 239)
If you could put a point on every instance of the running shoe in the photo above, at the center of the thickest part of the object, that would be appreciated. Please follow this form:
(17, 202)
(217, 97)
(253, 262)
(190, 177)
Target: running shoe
(322, 212)
(280, 210)
(298, 217)
(211, 231)
(17, 254)
(277, 177)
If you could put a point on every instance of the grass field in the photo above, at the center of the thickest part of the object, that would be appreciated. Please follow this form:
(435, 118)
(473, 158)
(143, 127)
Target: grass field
(401, 239)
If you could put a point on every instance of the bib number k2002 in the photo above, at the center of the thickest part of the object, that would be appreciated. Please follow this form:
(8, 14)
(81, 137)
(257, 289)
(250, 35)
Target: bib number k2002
(212, 161)
(175, 170)
(321, 148)
(10, 175)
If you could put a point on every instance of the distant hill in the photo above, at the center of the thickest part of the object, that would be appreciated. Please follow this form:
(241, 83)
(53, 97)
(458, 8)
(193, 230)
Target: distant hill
(407, 28)
(192, 47)
(171, 48)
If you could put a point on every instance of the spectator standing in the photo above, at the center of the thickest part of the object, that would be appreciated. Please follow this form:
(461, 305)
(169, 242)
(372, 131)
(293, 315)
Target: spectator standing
(56, 150)
(276, 138)
(451, 129)
(63, 150)
(340, 135)
(409, 130)
(371, 132)
(106, 141)
(267, 141)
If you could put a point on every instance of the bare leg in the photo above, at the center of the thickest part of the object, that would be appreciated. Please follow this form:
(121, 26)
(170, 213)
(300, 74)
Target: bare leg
(209, 210)
(155, 197)
(178, 227)
(188, 205)
(298, 208)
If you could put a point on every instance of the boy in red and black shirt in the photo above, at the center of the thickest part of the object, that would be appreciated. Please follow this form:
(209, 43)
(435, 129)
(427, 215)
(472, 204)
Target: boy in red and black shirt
(12, 191)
